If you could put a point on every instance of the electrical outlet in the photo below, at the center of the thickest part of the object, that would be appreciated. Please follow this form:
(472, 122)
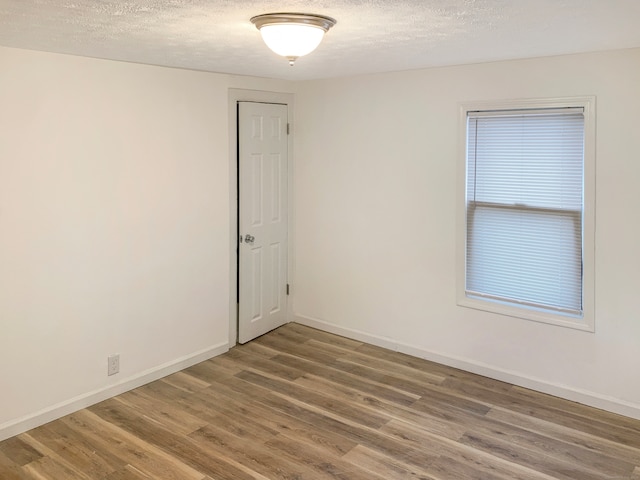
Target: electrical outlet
(113, 364)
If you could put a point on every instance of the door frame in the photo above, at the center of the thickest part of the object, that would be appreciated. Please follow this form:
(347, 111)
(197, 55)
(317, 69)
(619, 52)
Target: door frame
(240, 95)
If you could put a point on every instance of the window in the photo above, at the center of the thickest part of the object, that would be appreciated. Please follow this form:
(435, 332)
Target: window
(528, 230)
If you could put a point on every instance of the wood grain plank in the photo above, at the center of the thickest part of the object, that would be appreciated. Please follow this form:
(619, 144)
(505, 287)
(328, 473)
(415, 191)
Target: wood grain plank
(253, 455)
(349, 380)
(401, 371)
(257, 350)
(298, 348)
(372, 438)
(331, 404)
(210, 370)
(186, 382)
(279, 422)
(169, 415)
(174, 445)
(549, 448)
(133, 450)
(49, 468)
(325, 421)
(554, 410)
(324, 337)
(435, 368)
(128, 473)
(394, 412)
(9, 470)
(550, 465)
(374, 462)
(613, 419)
(317, 461)
(458, 456)
(472, 468)
(302, 404)
(246, 360)
(594, 444)
(19, 452)
(525, 445)
(67, 446)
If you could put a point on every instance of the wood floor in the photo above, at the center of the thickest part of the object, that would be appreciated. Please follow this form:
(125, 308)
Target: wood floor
(298, 403)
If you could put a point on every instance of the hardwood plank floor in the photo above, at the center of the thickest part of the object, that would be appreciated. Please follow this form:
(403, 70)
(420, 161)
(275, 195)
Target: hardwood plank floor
(299, 403)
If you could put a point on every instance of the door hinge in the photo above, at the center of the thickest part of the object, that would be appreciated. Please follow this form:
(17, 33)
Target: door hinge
(288, 128)
(287, 289)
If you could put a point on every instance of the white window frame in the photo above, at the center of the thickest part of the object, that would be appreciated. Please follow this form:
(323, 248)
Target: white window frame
(586, 321)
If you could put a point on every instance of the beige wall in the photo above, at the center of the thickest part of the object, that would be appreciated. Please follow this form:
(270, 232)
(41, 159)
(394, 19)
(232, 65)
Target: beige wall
(114, 226)
(375, 225)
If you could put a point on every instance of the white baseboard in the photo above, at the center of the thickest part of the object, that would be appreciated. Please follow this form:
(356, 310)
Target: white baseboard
(54, 412)
(580, 396)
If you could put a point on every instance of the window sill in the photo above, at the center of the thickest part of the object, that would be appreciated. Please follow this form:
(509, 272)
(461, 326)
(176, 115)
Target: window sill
(583, 323)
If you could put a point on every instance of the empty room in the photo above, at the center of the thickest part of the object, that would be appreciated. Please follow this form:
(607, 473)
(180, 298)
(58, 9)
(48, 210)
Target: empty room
(310, 240)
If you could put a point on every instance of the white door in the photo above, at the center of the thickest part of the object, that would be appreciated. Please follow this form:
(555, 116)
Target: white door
(262, 173)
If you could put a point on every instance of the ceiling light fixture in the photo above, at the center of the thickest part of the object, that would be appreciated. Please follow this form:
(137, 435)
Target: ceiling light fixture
(292, 35)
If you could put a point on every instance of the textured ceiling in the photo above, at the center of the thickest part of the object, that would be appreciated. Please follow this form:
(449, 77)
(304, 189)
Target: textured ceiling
(371, 35)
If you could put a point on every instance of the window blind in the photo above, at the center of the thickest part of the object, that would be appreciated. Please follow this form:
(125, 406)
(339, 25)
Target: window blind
(525, 177)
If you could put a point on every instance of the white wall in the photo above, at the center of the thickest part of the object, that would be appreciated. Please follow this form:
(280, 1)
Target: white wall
(114, 226)
(375, 223)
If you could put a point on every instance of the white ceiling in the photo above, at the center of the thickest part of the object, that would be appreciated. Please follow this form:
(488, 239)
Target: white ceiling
(371, 35)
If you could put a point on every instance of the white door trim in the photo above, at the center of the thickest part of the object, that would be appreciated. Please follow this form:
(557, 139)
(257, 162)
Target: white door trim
(235, 96)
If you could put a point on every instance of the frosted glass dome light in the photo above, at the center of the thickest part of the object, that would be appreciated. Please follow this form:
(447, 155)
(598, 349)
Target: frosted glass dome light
(292, 35)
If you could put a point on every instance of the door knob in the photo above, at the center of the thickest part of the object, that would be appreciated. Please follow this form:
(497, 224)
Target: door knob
(249, 238)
